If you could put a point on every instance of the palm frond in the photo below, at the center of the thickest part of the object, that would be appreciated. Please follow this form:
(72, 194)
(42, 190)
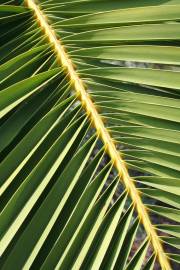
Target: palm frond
(86, 83)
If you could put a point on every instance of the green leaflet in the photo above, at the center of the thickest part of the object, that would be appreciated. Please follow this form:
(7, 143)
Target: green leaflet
(13, 163)
(165, 197)
(166, 184)
(9, 10)
(175, 242)
(154, 32)
(116, 244)
(19, 44)
(162, 159)
(13, 95)
(152, 168)
(12, 65)
(150, 132)
(53, 204)
(68, 209)
(101, 6)
(150, 264)
(142, 108)
(137, 261)
(171, 213)
(151, 144)
(104, 236)
(11, 13)
(90, 227)
(47, 166)
(156, 54)
(160, 78)
(28, 112)
(127, 245)
(174, 257)
(173, 230)
(77, 220)
(126, 16)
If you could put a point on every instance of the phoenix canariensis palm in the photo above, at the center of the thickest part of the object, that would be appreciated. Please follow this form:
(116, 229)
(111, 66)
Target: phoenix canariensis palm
(68, 99)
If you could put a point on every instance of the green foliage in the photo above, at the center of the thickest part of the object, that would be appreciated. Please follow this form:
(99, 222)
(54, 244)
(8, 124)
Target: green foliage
(61, 203)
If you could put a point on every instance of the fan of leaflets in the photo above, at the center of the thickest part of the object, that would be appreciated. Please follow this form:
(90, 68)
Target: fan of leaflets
(90, 134)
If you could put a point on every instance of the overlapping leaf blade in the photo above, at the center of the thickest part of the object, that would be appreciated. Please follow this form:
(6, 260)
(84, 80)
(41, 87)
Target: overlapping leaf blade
(47, 140)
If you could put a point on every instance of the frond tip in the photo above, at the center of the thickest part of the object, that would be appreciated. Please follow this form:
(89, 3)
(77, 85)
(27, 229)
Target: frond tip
(102, 131)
